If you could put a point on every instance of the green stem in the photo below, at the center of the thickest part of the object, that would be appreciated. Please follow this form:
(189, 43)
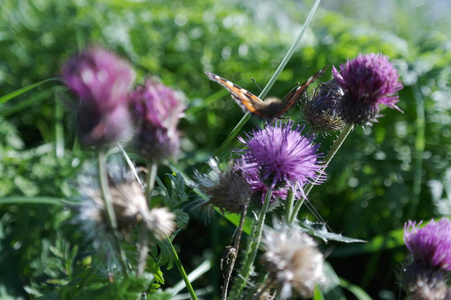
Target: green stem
(236, 246)
(245, 271)
(151, 175)
(289, 205)
(335, 147)
(143, 250)
(270, 83)
(182, 272)
(111, 217)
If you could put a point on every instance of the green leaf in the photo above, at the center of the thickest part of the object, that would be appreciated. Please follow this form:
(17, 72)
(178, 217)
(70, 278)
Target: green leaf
(18, 92)
(331, 289)
(390, 240)
(35, 200)
(319, 230)
(181, 218)
(355, 290)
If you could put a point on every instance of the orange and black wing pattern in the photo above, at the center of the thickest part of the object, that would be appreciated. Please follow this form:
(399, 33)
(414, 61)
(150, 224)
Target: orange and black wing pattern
(270, 109)
(292, 98)
(246, 100)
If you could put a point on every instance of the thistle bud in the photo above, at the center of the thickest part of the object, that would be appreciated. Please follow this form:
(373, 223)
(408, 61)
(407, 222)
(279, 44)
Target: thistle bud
(321, 111)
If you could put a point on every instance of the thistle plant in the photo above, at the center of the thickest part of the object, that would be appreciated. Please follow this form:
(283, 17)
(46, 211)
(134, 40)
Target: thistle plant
(260, 185)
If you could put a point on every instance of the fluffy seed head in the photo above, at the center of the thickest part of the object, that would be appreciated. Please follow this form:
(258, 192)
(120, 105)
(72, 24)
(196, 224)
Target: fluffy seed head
(293, 260)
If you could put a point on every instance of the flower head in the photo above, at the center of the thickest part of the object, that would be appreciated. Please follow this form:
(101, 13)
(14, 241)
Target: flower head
(226, 190)
(367, 81)
(293, 260)
(158, 110)
(431, 243)
(129, 205)
(102, 81)
(321, 111)
(279, 156)
(424, 275)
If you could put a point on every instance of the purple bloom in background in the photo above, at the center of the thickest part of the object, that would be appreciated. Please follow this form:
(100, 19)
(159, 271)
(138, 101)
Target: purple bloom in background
(102, 81)
(367, 81)
(158, 110)
(425, 273)
(431, 244)
(279, 156)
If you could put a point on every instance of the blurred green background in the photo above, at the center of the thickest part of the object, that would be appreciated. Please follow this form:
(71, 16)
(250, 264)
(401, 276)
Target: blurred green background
(384, 175)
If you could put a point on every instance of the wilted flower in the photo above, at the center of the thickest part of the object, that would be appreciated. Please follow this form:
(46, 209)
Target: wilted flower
(367, 81)
(293, 260)
(425, 275)
(157, 109)
(226, 190)
(322, 110)
(102, 81)
(279, 157)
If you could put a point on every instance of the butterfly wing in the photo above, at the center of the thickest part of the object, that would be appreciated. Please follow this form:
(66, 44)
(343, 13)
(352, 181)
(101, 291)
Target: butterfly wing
(291, 99)
(246, 100)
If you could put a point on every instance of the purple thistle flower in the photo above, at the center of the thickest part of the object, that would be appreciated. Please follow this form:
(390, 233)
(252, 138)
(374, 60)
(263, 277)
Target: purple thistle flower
(158, 110)
(99, 77)
(278, 156)
(431, 244)
(368, 81)
(102, 81)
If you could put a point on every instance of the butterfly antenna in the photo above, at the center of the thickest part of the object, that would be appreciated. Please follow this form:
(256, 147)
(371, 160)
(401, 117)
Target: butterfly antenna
(291, 91)
(255, 82)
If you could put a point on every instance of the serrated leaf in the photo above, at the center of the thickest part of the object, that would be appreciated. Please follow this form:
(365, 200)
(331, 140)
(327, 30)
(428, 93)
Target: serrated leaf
(319, 230)
(181, 218)
(178, 194)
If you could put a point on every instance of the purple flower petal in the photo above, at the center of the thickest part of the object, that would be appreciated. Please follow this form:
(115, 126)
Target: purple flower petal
(431, 244)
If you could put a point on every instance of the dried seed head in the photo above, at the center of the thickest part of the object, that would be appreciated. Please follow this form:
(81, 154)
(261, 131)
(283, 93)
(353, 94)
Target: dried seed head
(160, 221)
(293, 260)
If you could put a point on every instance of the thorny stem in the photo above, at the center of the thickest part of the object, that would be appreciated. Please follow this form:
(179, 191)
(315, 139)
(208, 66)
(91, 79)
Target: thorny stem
(182, 272)
(335, 147)
(236, 246)
(255, 239)
(111, 217)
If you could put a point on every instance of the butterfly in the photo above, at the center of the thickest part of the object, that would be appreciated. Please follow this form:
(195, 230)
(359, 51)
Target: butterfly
(270, 109)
